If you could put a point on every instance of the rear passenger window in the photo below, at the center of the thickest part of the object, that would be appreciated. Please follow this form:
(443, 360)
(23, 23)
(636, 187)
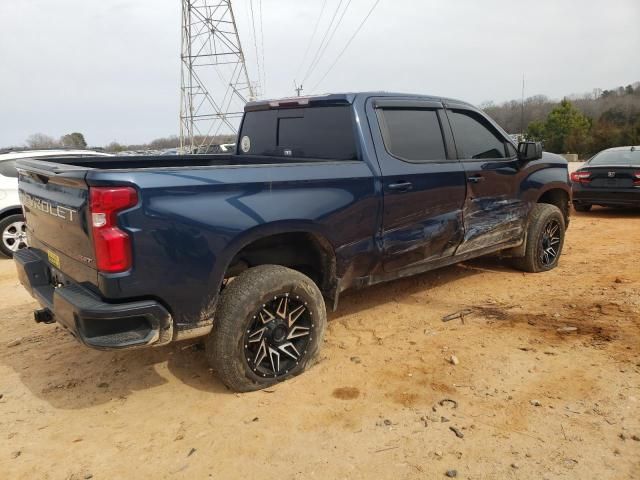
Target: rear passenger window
(413, 135)
(473, 138)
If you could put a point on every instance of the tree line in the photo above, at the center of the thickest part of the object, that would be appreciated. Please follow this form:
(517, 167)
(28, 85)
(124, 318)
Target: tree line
(39, 141)
(71, 140)
(163, 143)
(582, 124)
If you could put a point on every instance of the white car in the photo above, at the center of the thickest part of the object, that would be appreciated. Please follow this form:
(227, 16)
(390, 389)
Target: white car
(12, 226)
(227, 147)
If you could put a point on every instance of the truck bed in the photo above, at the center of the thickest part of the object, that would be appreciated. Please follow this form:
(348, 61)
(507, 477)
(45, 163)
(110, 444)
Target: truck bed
(193, 214)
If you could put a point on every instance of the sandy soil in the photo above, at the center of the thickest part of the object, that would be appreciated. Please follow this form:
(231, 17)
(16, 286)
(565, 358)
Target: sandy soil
(531, 402)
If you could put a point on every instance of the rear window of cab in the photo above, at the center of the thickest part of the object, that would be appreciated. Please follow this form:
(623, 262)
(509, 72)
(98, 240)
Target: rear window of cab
(325, 132)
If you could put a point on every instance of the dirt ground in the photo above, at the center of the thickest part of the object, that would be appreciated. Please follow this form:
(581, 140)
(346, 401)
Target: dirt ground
(531, 402)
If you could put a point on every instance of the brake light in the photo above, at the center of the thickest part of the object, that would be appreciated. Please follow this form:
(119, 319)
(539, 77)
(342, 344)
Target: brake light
(580, 177)
(636, 179)
(292, 102)
(112, 245)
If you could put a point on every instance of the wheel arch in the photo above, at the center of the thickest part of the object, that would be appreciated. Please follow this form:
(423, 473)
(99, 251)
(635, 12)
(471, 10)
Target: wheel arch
(302, 248)
(559, 196)
(13, 210)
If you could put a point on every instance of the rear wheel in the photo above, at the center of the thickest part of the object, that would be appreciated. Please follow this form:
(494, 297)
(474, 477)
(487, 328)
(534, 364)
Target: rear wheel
(582, 207)
(545, 238)
(269, 326)
(13, 233)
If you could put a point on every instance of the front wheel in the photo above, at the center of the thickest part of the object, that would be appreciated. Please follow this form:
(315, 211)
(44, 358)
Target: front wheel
(268, 327)
(13, 235)
(545, 239)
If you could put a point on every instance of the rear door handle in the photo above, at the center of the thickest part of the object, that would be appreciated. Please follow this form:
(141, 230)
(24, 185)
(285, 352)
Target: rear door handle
(400, 186)
(475, 179)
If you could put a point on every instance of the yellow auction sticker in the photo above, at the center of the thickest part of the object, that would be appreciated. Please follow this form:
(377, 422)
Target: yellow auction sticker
(53, 259)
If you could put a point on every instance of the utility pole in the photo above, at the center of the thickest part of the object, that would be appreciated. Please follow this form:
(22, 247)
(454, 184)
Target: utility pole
(298, 89)
(522, 110)
(214, 83)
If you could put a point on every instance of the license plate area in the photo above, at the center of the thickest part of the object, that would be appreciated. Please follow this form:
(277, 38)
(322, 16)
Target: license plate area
(53, 258)
(57, 278)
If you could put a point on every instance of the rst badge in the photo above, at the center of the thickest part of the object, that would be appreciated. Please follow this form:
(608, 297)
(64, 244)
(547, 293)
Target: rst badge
(611, 174)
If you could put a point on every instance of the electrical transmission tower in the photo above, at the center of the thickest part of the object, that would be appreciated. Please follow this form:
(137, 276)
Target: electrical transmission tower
(214, 83)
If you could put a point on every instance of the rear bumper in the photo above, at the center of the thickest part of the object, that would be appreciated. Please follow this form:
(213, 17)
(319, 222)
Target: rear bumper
(603, 196)
(95, 323)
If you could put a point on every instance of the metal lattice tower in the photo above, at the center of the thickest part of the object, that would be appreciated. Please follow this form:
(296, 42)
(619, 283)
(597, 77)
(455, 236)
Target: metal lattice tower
(214, 83)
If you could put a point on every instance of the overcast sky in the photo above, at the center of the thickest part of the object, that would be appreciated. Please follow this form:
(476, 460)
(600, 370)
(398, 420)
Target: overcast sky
(111, 68)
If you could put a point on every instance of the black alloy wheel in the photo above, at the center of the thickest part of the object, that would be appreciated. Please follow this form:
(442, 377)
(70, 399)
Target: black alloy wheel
(268, 326)
(544, 239)
(550, 243)
(278, 336)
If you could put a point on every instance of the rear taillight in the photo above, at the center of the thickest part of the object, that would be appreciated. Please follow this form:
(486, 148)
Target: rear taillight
(580, 177)
(636, 179)
(112, 245)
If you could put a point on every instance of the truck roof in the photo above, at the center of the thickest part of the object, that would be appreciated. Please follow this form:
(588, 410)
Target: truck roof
(346, 98)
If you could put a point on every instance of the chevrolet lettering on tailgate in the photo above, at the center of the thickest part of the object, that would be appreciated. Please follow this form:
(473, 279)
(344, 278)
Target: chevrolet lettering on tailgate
(59, 211)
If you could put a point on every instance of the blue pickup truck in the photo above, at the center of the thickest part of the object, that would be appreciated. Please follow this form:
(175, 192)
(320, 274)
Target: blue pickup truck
(323, 194)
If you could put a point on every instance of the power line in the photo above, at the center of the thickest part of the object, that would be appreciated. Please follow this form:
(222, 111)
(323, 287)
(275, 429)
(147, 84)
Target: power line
(313, 35)
(255, 40)
(347, 44)
(335, 14)
(214, 83)
(326, 45)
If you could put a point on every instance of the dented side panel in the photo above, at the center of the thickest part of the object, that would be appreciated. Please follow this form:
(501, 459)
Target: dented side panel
(494, 211)
(424, 221)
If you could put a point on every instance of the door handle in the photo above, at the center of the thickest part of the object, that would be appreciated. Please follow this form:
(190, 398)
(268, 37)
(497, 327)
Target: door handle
(475, 179)
(400, 186)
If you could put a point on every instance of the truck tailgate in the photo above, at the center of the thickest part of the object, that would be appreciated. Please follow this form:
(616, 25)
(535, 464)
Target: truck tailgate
(56, 211)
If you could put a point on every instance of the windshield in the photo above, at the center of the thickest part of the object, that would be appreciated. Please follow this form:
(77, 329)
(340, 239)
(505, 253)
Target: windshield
(616, 157)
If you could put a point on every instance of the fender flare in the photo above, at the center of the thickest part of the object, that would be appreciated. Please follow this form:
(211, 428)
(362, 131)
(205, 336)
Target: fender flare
(276, 228)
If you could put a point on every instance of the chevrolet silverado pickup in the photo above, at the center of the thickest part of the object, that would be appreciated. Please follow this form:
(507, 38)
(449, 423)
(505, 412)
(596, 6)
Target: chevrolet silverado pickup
(322, 194)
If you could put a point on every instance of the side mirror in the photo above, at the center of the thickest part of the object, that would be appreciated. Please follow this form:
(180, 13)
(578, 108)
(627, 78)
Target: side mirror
(529, 151)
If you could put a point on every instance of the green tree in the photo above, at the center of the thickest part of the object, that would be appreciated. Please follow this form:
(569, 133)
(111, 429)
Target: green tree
(567, 129)
(631, 134)
(615, 115)
(73, 140)
(535, 131)
(605, 135)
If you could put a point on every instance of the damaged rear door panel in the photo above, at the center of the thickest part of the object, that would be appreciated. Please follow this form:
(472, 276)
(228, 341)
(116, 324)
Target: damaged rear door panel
(423, 182)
